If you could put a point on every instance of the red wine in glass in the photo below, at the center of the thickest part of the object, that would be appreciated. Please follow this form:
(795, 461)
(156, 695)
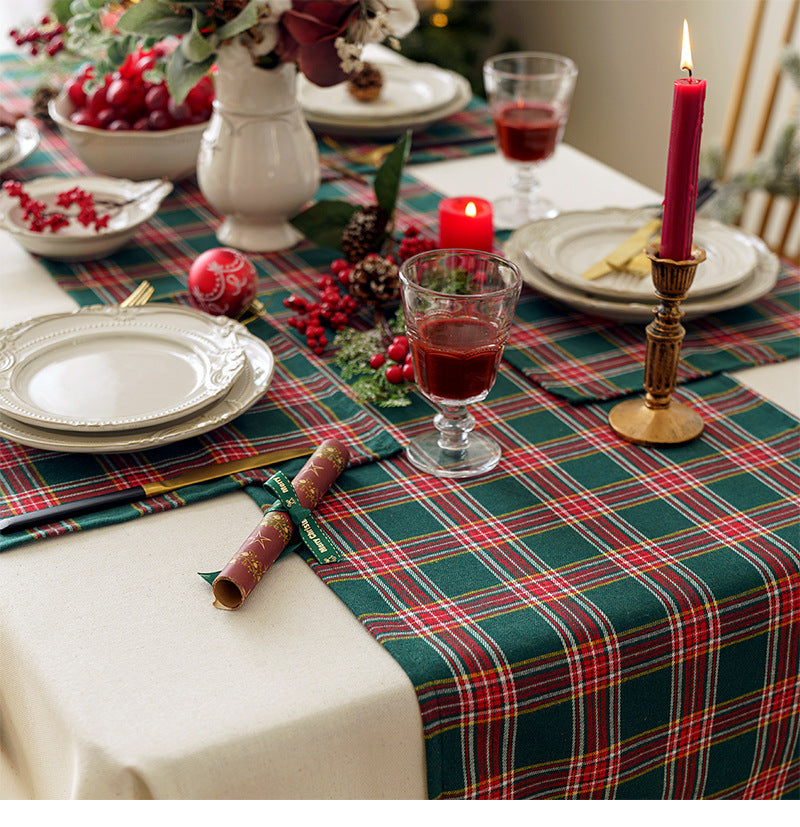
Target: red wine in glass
(456, 357)
(528, 132)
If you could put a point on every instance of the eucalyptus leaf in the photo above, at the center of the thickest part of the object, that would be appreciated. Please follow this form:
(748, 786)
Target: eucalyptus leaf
(194, 46)
(387, 178)
(324, 222)
(246, 19)
(183, 75)
(154, 17)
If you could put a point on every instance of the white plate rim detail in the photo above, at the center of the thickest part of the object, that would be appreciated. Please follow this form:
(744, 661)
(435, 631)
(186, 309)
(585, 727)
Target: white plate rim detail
(761, 281)
(27, 140)
(337, 103)
(391, 126)
(730, 258)
(211, 339)
(251, 384)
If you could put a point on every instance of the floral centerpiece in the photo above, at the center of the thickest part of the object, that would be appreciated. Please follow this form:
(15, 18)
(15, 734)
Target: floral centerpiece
(323, 38)
(258, 162)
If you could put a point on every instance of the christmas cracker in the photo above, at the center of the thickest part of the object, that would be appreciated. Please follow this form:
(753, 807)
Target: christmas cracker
(271, 536)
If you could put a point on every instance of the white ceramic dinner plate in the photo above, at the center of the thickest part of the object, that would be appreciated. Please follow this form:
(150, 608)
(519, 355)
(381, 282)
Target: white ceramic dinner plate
(250, 385)
(406, 90)
(389, 124)
(564, 247)
(128, 203)
(25, 139)
(758, 283)
(116, 368)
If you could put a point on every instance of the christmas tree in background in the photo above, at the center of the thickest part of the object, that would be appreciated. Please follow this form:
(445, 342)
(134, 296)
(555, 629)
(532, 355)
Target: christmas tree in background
(456, 35)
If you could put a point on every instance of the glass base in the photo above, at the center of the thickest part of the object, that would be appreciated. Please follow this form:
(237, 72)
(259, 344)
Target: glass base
(480, 455)
(513, 211)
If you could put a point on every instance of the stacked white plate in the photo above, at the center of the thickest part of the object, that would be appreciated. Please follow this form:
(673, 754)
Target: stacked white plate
(553, 255)
(18, 143)
(112, 379)
(414, 95)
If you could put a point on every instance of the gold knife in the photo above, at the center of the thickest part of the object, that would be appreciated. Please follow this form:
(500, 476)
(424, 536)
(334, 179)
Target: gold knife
(630, 256)
(67, 510)
(630, 248)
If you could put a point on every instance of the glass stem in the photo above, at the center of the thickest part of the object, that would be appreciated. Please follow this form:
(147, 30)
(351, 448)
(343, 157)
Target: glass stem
(454, 423)
(524, 181)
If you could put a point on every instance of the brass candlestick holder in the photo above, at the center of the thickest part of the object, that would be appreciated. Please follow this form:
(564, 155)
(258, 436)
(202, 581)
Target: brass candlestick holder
(656, 419)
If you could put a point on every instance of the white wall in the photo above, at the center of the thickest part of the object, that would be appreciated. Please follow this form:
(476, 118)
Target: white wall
(628, 54)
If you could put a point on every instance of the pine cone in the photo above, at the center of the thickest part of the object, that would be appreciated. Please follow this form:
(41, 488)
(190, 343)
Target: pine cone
(363, 232)
(366, 84)
(374, 280)
(39, 103)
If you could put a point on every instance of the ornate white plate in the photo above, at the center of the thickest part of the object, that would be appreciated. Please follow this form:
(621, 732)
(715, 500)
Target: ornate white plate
(564, 247)
(26, 139)
(757, 284)
(407, 90)
(249, 387)
(116, 368)
(379, 126)
(129, 204)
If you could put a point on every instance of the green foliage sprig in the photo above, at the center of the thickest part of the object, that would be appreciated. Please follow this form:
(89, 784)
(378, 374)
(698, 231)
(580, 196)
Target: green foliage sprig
(324, 222)
(370, 385)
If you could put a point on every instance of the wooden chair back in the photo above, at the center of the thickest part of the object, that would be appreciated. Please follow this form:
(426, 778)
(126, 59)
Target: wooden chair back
(762, 102)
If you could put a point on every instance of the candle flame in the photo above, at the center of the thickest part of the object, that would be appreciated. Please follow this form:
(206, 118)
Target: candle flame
(686, 50)
(471, 210)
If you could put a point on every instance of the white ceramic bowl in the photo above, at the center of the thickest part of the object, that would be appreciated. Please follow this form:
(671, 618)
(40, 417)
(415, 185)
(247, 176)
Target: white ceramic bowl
(138, 156)
(139, 201)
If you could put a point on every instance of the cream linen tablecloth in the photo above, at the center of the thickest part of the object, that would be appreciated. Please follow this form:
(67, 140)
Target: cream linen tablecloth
(119, 680)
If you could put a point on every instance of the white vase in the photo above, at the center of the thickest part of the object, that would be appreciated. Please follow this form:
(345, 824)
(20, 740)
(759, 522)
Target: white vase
(258, 163)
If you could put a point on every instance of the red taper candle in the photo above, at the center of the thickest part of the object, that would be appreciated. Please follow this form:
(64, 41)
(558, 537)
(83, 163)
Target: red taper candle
(683, 159)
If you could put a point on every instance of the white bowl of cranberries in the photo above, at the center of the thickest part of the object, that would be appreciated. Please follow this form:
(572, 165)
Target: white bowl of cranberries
(127, 126)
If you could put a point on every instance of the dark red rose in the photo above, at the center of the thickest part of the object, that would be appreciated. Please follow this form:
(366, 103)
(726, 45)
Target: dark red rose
(307, 34)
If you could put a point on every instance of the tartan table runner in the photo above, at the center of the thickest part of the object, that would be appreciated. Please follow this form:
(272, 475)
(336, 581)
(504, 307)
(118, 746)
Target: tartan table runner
(470, 132)
(584, 358)
(305, 404)
(592, 619)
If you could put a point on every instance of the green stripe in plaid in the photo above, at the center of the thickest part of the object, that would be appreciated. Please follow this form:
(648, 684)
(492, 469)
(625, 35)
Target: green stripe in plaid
(467, 133)
(305, 404)
(592, 619)
(583, 358)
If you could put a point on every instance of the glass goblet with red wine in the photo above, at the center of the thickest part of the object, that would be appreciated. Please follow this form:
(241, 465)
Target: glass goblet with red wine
(458, 305)
(529, 96)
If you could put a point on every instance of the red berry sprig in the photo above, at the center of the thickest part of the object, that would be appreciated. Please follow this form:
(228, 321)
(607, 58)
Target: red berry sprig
(48, 35)
(333, 308)
(401, 367)
(39, 219)
(413, 243)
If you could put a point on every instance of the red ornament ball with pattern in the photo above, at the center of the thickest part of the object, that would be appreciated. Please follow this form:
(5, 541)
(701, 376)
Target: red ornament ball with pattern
(222, 282)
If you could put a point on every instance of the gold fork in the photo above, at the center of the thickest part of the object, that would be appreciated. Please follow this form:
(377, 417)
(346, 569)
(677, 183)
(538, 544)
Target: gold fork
(141, 295)
(372, 158)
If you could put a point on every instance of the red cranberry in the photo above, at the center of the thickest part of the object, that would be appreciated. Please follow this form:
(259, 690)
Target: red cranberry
(394, 374)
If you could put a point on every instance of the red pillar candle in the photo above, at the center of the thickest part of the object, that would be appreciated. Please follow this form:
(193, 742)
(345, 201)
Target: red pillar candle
(680, 190)
(466, 222)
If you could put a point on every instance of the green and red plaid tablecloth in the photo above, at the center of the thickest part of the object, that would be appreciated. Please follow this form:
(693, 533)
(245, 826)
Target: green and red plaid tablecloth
(584, 358)
(592, 618)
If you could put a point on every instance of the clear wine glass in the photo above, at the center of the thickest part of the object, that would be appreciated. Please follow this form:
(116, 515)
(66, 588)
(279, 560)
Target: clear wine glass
(529, 96)
(459, 305)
